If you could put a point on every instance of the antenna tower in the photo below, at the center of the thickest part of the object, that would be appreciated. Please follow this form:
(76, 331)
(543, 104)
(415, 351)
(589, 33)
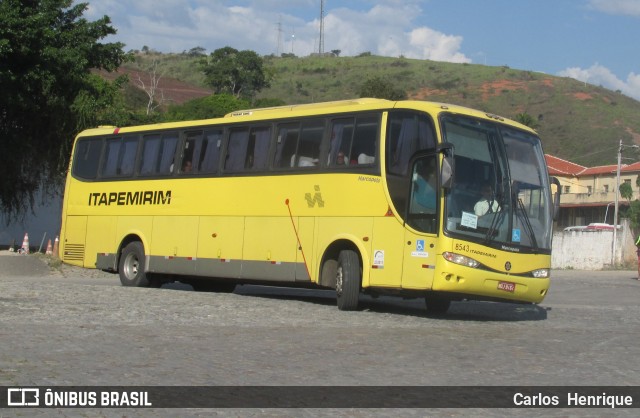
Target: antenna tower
(278, 48)
(321, 41)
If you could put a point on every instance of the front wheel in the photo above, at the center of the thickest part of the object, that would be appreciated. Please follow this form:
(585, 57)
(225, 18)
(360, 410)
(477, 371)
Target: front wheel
(131, 266)
(348, 278)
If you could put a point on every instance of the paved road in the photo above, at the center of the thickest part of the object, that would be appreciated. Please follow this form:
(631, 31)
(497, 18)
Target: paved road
(80, 327)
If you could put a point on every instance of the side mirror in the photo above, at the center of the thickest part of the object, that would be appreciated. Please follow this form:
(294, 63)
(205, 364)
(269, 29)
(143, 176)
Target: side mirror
(446, 172)
(556, 197)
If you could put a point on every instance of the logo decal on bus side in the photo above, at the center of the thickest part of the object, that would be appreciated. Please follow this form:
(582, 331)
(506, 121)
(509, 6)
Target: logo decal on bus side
(317, 198)
(149, 197)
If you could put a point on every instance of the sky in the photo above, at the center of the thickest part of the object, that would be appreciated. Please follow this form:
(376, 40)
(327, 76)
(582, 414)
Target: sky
(594, 41)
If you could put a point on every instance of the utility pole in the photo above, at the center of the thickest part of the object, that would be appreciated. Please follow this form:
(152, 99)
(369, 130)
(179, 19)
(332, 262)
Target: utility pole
(615, 212)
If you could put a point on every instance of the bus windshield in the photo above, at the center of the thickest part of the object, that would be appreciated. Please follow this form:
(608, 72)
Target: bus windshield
(500, 194)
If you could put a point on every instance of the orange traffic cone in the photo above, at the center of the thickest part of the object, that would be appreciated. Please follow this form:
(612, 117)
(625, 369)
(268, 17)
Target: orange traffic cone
(49, 248)
(25, 244)
(55, 247)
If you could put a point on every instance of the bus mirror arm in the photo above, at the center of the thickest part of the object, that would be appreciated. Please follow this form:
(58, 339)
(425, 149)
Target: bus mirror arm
(556, 197)
(447, 170)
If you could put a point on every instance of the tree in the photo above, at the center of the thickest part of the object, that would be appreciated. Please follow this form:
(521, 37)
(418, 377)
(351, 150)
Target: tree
(151, 88)
(214, 106)
(626, 191)
(526, 119)
(46, 52)
(241, 73)
(197, 51)
(381, 88)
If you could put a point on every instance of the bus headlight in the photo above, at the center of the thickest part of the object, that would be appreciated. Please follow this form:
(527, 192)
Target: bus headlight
(460, 259)
(540, 273)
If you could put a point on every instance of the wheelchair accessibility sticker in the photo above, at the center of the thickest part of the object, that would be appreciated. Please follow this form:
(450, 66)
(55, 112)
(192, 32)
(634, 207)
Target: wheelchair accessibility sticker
(420, 250)
(515, 235)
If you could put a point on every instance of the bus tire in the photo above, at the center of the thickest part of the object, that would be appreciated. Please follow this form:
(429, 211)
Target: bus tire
(348, 278)
(437, 306)
(131, 266)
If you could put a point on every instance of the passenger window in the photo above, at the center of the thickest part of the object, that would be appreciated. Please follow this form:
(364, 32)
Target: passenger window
(365, 140)
(248, 149)
(150, 152)
(286, 145)
(87, 158)
(299, 144)
(190, 152)
(407, 133)
(158, 154)
(340, 144)
(209, 157)
(120, 156)
(308, 154)
(237, 150)
(258, 150)
(353, 141)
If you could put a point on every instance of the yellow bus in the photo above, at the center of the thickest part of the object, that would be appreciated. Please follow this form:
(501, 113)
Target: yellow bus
(407, 198)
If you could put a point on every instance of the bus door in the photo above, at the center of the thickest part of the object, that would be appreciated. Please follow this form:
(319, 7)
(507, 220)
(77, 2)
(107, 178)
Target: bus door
(421, 224)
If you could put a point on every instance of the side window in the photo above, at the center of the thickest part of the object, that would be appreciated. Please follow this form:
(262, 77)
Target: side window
(286, 145)
(209, 157)
(201, 151)
(158, 154)
(120, 156)
(258, 149)
(190, 152)
(150, 152)
(87, 158)
(407, 133)
(308, 154)
(168, 153)
(237, 150)
(340, 142)
(354, 141)
(248, 149)
(299, 144)
(365, 140)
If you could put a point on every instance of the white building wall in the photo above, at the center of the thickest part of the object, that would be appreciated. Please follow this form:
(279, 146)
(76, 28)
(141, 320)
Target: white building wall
(592, 250)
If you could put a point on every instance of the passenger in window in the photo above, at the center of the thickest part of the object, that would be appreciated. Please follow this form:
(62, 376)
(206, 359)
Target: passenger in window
(487, 203)
(340, 159)
(186, 166)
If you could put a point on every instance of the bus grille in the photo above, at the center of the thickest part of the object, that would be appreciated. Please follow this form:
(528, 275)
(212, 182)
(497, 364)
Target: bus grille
(74, 252)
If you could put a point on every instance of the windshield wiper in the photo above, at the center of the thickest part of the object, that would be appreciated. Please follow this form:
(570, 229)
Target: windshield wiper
(525, 218)
(495, 221)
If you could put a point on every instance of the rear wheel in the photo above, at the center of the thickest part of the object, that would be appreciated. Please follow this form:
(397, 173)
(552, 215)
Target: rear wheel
(348, 278)
(437, 306)
(131, 266)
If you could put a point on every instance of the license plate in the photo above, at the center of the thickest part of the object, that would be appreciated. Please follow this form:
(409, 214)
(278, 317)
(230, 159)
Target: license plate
(507, 286)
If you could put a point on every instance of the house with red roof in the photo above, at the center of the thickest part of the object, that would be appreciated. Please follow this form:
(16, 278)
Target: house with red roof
(588, 193)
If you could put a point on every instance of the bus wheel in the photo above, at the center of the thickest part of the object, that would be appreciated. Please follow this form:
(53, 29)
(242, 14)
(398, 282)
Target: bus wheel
(348, 280)
(437, 305)
(131, 266)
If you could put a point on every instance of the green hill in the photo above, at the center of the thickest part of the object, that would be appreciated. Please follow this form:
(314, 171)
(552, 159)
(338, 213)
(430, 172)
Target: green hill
(576, 121)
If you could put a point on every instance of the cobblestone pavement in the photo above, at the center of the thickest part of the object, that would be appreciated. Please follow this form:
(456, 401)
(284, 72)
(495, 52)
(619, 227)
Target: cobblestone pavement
(67, 326)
